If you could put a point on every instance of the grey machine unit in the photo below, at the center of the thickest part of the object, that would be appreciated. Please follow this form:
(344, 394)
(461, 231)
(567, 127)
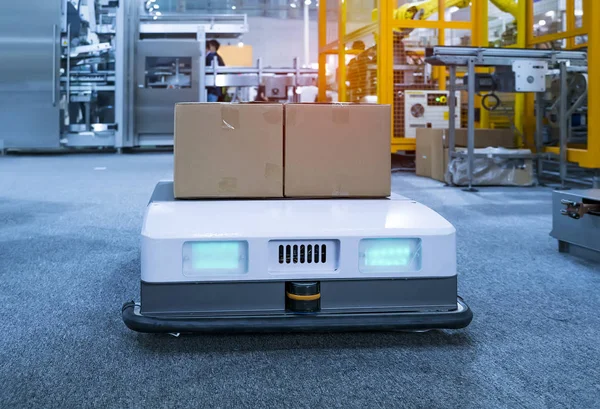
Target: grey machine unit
(59, 76)
(576, 222)
(29, 87)
(166, 73)
(167, 68)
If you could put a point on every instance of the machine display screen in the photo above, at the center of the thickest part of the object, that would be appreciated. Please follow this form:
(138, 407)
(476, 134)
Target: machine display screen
(440, 99)
(389, 255)
(215, 257)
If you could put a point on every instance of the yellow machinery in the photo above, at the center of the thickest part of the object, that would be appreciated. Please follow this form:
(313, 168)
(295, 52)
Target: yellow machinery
(424, 10)
(576, 32)
(409, 67)
(392, 65)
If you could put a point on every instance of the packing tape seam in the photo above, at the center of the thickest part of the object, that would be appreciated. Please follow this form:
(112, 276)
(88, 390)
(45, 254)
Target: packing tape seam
(230, 117)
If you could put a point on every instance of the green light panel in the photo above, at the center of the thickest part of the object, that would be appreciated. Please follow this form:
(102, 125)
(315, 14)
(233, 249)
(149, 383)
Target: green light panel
(216, 255)
(389, 255)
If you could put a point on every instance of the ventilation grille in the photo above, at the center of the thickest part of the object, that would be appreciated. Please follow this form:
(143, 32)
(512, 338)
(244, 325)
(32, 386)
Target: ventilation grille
(303, 255)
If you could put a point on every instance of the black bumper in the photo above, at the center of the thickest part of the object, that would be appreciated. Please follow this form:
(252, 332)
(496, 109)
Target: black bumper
(325, 322)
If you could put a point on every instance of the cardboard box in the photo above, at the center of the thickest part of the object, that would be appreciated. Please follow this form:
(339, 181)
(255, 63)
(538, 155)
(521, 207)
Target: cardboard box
(431, 155)
(337, 150)
(228, 150)
(485, 138)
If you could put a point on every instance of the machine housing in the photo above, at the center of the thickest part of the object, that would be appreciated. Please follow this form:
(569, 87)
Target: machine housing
(355, 293)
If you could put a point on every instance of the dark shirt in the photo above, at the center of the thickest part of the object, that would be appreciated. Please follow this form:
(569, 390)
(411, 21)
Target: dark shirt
(74, 20)
(209, 61)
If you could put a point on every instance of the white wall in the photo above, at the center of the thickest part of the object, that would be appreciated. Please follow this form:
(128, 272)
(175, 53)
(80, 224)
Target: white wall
(278, 41)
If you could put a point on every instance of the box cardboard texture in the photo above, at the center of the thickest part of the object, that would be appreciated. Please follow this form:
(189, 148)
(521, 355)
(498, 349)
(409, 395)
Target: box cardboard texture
(485, 138)
(228, 150)
(337, 150)
(431, 155)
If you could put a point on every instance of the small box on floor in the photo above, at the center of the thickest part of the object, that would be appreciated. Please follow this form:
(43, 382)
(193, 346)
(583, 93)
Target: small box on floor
(431, 156)
(228, 150)
(337, 150)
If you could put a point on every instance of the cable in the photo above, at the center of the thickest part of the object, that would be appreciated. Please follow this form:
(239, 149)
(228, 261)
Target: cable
(485, 105)
(505, 112)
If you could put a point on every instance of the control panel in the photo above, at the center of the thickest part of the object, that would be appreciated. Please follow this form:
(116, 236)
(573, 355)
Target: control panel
(427, 109)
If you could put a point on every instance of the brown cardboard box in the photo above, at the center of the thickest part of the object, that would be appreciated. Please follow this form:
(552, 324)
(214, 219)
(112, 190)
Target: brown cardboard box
(337, 150)
(228, 150)
(431, 157)
(485, 138)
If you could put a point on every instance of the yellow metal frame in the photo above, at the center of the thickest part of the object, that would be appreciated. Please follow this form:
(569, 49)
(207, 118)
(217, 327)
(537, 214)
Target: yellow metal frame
(383, 29)
(585, 157)
(524, 103)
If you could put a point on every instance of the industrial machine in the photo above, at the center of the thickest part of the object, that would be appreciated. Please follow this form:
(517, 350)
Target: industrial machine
(169, 67)
(60, 73)
(427, 109)
(410, 70)
(88, 75)
(295, 265)
(107, 73)
(516, 70)
(576, 222)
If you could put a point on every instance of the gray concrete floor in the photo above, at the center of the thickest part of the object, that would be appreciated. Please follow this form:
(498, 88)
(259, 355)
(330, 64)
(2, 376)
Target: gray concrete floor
(69, 258)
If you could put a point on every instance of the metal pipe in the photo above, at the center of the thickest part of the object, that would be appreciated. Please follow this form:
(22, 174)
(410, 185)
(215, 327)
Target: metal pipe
(452, 113)
(259, 67)
(296, 75)
(570, 180)
(471, 123)
(254, 70)
(580, 101)
(489, 52)
(563, 123)
(306, 36)
(539, 125)
(342, 97)
(54, 85)
(120, 84)
(322, 56)
(201, 37)
(88, 113)
(69, 69)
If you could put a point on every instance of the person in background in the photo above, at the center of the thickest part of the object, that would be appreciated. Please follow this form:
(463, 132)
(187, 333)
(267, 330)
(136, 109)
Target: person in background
(212, 48)
(310, 93)
(261, 94)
